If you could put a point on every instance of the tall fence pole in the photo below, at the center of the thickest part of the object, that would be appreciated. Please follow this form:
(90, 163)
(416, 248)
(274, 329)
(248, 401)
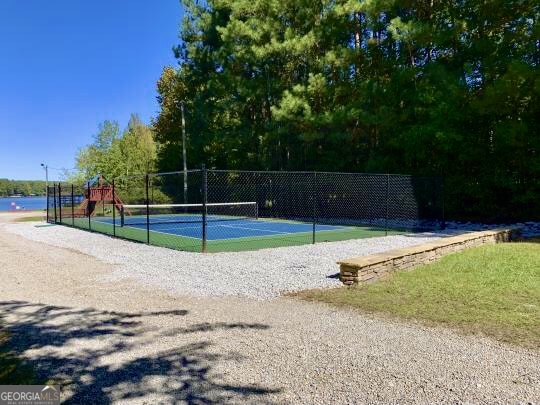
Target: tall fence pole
(184, 153)
(72, 205)
(47, 192)
(147, 212)
(54, 198)
(204, 201)
(443, 219)
(88, 194)
(113, 208)
(387, 204)
(60, 201)
(315, 198)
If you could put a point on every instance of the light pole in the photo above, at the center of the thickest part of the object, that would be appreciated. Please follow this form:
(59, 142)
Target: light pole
(184, 153)
(47, 188)
(46, 176)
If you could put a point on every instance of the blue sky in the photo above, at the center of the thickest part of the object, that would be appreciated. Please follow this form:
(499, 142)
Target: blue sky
(66, 65)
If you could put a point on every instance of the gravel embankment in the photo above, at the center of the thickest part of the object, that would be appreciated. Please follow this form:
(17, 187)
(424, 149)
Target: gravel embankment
(528, 229)
(260, 274)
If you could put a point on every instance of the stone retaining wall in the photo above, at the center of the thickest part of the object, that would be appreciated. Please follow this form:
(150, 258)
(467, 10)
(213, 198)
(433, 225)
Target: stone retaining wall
(373, 267)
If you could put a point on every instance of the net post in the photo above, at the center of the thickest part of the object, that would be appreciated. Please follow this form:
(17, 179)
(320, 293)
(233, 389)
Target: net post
(113, 209)
(387, 204)
(54, 198)
(72, 205)
(60, 201)
(204, 202)
(147, 211)
(314, 196)
(88, 206)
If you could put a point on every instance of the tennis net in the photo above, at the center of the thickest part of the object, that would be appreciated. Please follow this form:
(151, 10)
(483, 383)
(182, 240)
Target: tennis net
(142, 214)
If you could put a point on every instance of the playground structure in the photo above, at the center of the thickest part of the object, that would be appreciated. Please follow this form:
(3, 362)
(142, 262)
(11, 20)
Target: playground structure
(97, 191)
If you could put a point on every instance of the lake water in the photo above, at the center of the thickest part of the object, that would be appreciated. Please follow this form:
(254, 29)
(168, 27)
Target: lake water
(24, 203)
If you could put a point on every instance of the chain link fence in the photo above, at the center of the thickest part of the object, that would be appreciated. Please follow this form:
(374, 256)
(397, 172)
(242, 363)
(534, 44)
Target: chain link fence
(226, 210)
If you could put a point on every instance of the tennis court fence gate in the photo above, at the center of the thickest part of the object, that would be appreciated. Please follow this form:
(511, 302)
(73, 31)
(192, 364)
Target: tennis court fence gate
(178, 209)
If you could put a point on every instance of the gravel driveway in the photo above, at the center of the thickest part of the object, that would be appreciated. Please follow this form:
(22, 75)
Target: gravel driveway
(259, 274)
(127, 342)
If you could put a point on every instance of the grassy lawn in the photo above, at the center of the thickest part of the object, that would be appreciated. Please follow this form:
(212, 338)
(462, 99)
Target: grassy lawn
(492, 290)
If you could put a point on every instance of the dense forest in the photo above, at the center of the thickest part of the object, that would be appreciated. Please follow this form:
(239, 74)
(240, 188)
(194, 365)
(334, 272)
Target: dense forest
(21, 187)
(446, 88)
(426, 87)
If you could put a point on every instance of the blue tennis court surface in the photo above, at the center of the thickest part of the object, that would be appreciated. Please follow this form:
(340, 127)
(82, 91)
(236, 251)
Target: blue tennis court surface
(220, 229)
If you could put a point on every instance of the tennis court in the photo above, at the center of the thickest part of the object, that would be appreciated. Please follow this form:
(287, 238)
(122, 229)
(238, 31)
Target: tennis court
(220, 228)
(185, 231)
(216, 211)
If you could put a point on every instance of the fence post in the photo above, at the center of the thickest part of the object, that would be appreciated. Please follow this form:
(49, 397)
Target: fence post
(387, 204)
(88, 206)
(443, 219)
(47, 192)
(54, 198)
(72, 205)
(113, 209)
(315, 197)
(147, 212)
(204, 201)
(60, 201)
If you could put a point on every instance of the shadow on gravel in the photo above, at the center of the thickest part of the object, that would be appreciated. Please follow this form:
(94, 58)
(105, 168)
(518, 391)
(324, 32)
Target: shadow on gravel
(180, 374)
(209, 327)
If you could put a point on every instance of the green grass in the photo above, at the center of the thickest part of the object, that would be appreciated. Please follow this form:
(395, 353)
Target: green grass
(491, 290)
(229, 245)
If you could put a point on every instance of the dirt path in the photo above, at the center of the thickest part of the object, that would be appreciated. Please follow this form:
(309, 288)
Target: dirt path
(120, 342)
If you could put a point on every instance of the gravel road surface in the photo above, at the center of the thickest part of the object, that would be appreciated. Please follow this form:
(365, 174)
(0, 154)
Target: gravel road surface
(260, 274)
(127, 342)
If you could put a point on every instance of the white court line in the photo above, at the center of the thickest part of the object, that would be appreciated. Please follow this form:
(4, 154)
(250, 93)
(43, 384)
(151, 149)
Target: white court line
(164, 233)
(254, 229)
(179, 234)
(151, 230)
(215, 226)
(184, 227)
(233, 227)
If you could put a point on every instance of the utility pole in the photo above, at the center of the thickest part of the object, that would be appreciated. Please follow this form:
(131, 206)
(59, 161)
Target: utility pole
(184, 153)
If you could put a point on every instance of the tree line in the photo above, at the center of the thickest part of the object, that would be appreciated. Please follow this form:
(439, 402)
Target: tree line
(445, 88)
(114, 153)
(21, 187)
